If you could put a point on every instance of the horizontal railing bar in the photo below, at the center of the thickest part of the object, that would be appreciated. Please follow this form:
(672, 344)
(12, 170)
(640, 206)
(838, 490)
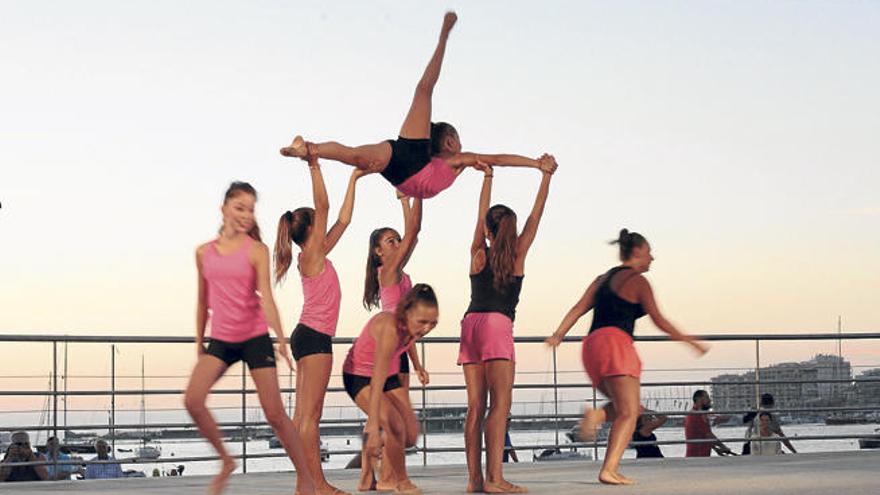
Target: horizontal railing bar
(352, 421)
(430, 388)
(144, 339)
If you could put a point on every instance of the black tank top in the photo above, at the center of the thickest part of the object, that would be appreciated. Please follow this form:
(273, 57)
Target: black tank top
(486, 299)
(611, 310)
(646, 450)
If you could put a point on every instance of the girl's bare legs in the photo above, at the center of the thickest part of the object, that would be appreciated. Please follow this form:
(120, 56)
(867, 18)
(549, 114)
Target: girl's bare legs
(369, 157)
(313, 370)
(475, 381)
(393, 467)
(207, 371)
(624, 393)
(417, 124)
(499, 382)
(266, 381)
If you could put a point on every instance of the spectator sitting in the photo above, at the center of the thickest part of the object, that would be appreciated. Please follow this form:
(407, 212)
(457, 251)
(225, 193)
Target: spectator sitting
(644, 432)
(696, 427)
(20, 451)
(767, 402)
(103, 471)
(765, 431)
(60, 471)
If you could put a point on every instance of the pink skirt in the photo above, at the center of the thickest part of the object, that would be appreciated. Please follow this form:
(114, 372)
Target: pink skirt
(484, 337)
(609, 351)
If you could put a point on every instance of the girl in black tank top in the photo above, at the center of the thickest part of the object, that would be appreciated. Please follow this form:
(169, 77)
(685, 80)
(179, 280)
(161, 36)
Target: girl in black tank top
(611, 310)
(486, 351)
(610, 358)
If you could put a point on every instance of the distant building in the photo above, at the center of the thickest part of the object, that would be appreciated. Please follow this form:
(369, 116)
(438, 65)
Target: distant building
(869, 392)
(739, 391)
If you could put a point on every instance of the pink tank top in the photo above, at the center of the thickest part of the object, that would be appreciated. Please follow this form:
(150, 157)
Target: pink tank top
(233, 303)
(429, 181)
(359, 360)
(321, 297)
(391, 295)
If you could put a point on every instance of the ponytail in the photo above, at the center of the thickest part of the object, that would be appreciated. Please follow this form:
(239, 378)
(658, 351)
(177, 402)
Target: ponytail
(371, 279)
(293, 227)
(419, 294)
(501, 223)
(627, 241)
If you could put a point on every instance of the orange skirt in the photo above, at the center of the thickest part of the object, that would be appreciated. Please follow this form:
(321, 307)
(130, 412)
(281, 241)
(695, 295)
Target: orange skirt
(609, 351)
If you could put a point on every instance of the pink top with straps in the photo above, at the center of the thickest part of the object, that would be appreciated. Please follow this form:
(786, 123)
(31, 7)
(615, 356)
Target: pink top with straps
(361, 356)
(233, 303)
(391, 295)
(428, 182)
(321, 298)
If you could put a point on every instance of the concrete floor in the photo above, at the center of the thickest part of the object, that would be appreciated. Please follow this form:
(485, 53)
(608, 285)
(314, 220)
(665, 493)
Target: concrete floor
(839, 473)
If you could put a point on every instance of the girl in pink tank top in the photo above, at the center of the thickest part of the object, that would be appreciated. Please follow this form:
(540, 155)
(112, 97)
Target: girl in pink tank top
(310, 341)
(426, 157)
(371, 380)
(234, 289)
(386, 282)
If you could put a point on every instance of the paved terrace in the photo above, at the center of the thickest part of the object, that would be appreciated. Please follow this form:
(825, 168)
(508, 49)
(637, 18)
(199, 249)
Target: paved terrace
(840, 473)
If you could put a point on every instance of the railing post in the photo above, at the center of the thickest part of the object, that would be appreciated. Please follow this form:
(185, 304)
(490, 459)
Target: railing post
(556, 397)
(596, 441)
(55, 388)
(55, 398)
(243, 419)
(113, 397)
(424, 410)
(757, 373)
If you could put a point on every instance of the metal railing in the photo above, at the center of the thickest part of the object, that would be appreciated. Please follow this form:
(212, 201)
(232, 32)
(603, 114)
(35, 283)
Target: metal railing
(423, 391)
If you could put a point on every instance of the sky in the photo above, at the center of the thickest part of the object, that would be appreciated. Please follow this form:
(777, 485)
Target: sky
(739, 137)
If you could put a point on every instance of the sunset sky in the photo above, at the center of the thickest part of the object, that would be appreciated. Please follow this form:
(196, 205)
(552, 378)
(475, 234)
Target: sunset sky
(741, 138)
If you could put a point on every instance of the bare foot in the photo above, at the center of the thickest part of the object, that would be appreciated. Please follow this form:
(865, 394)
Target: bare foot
(367, 484)
(218, 484)
(623, 479)
(608, 478)
(448, 21)
(407, 487)
(475, 486)
(504, 486)
(590, 425)
(329, 489)
(297, 149)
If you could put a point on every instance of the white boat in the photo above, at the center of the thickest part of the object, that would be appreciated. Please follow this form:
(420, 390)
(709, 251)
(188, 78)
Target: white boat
(274, 443)
(148, 452)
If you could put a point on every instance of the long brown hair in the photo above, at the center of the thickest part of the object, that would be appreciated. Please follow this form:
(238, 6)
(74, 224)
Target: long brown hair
(234, 190)
(371, 280)
(627, 241)
(501, 223)
(419, 294)
(293, 227)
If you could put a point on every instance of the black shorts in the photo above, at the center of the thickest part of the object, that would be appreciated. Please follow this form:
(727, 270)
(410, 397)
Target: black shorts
(354, 383)
(408, 157)
(256, 352)
(404, 363)
(305, 341)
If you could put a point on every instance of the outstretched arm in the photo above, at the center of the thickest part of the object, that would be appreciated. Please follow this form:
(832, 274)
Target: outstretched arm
(412, 216)
(468, 159)
(338, 228)
(478, 244)
(646, 299)
(312, 262)
(584, 304)
(530, 229)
